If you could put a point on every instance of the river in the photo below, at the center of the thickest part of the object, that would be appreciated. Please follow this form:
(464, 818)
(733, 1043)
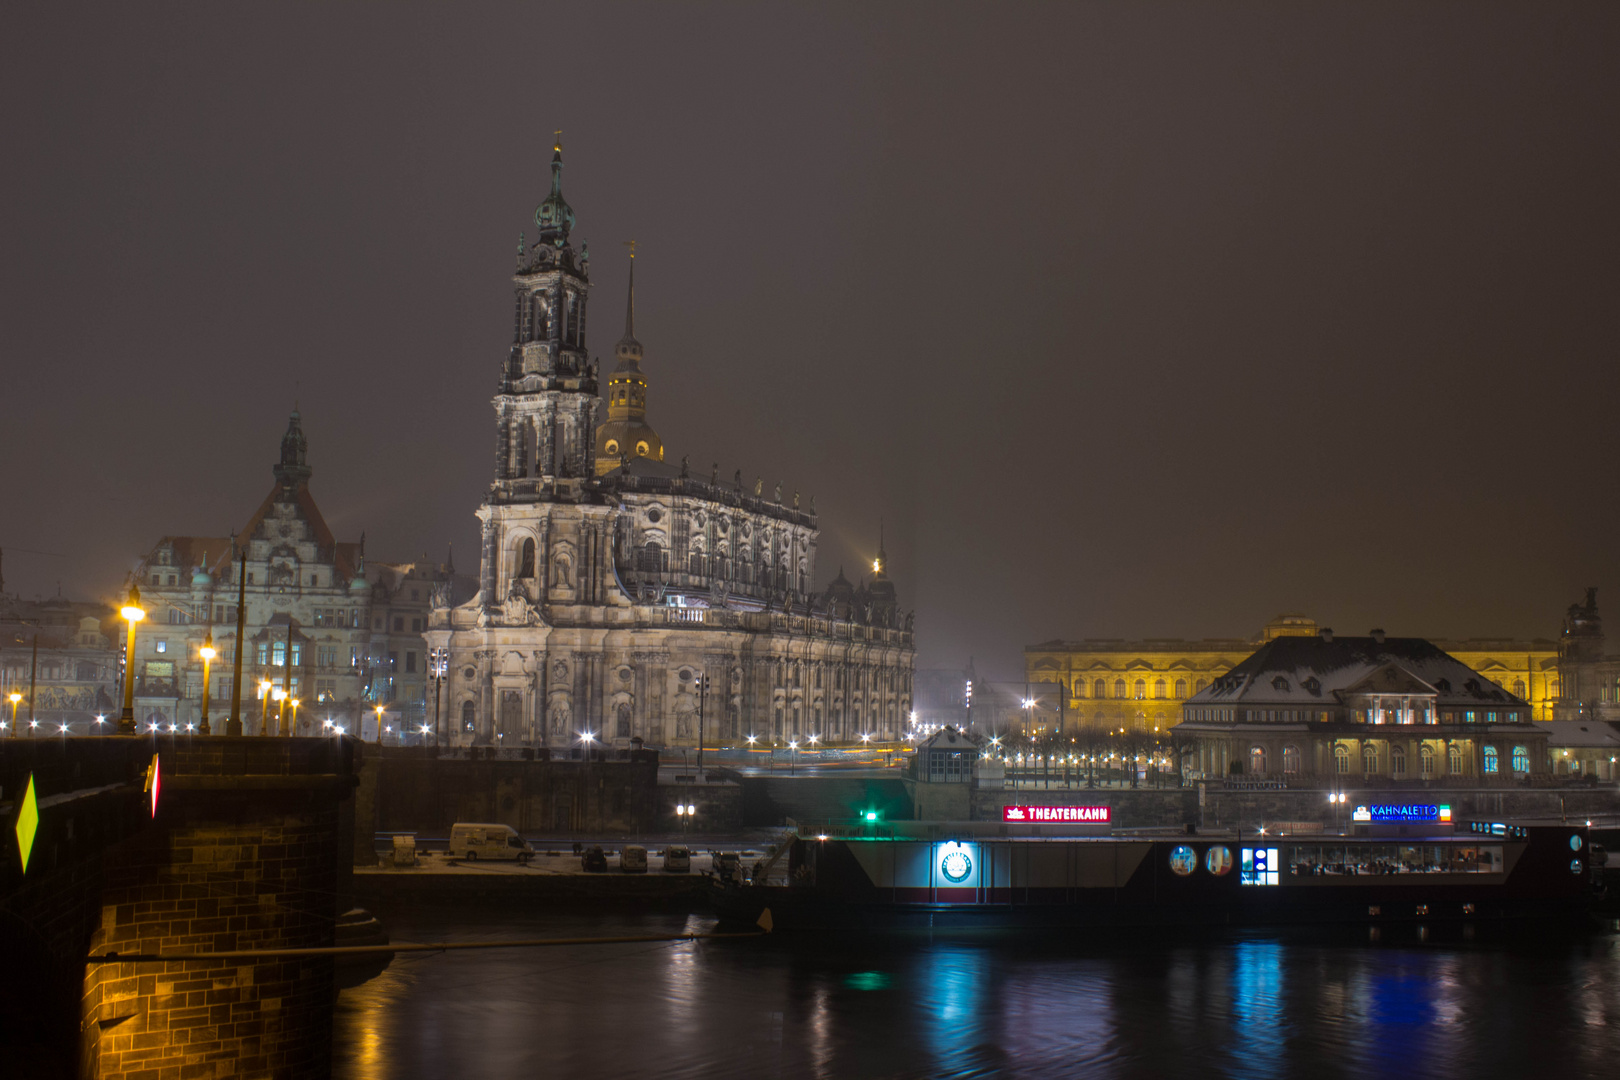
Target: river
(1256, 1004)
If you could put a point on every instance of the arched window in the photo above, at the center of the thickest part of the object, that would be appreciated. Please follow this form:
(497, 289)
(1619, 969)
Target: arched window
(526, 560)
(1181, 688)
(1341, 760)
(1158, 688)
(1290, 761)
(1079, 688)
(651, 557)
(1141, 689)
(1521, 760)
(1490, 759)
(1397, 761)
(1119, 688)
(1200, 684)
(1099, 689)
(1257, 760)
(1518, 688)
(1369, 760)
(1454, 760)
(466, 716)
(1426, 761)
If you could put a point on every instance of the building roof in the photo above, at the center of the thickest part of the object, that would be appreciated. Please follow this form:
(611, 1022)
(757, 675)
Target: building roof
(1582, 733)
(1313, 671)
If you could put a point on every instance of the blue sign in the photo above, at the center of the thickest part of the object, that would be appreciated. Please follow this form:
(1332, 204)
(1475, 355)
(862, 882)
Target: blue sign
(1402, 812)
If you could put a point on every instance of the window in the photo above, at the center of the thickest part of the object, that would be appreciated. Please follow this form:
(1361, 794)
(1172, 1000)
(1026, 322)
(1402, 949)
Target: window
(416, 626)
(157, 579)
(1426, 761)
(1181, 688)
(1397, 761)
(1099, 689)
(160, 646)
(1454, 760)
(467, 715)
(327, 655)
(525, 560)
(1141, 689)
(1341, 760)
(399, 624)
(415, 594)
(1290, 761)
(1119, 688)
(1369, 760)
(1521, 760)
(1490, 759)
(1518, 688)
(1257, 866)
(1158, 688)
(410, 663)
(314, 581)
(1257, 760)
(278, 654)
(263, 651)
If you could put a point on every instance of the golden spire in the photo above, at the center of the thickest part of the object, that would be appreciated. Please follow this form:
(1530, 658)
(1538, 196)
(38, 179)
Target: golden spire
(556, 147)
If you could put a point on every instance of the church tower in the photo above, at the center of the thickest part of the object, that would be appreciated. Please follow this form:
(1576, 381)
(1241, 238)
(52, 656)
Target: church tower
(627, 433)
(546, 408)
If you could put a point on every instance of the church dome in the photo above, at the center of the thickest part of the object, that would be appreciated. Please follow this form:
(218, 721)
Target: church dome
(554, 216)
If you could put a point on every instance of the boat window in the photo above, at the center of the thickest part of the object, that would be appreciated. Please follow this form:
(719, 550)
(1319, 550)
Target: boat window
(1357, 860)
(1258, 866)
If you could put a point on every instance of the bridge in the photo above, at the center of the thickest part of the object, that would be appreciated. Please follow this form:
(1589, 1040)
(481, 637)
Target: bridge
(160, 844)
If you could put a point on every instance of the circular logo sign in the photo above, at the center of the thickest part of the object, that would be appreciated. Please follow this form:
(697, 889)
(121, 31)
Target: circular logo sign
(955, 865)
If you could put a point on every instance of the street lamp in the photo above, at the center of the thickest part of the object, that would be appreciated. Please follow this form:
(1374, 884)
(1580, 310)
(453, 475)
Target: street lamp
(379, 725)
(294, 702)
(439, 666)
(207, 654)
(133, 613)
(14, 698)
(793, 760)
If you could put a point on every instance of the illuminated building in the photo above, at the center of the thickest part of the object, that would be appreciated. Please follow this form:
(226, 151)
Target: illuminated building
(612, 582)
(1590, 677)
(1143, 683)
(1360, 710)
(340, 635)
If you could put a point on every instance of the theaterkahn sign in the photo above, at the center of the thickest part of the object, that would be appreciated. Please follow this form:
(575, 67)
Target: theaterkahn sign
(1040, 814)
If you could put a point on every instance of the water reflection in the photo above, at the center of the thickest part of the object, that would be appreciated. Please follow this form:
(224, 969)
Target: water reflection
(1147, 1005)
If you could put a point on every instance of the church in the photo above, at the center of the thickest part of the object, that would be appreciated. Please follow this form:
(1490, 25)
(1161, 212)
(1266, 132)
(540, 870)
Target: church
(622, 597)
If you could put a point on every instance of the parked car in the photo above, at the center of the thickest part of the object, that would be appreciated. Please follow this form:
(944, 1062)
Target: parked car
(677, 860)
(594, 860)
(473, 841)
(633, 860)
(728, 866)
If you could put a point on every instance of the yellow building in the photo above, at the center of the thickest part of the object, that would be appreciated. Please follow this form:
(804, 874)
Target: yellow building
(1142, 684)
(1525, 669)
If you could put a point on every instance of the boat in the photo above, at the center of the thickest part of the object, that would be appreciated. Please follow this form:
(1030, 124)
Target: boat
(927, 875)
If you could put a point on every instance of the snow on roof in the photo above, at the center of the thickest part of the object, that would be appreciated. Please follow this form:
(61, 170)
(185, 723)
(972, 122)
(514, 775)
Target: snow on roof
(1315, 670)
(1581, 733)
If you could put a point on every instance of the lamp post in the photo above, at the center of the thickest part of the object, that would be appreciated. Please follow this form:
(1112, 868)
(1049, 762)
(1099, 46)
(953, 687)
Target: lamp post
(293, 728)
(264, 706)
(793, 757)
(15, 698)
(207, 654)
(439, 665)
(133, 613)
(379, 724)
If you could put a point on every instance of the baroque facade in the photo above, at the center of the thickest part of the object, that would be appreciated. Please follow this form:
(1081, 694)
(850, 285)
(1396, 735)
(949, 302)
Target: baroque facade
(624, 598)
(322, 627)
(1339, 710)
(1143, 684)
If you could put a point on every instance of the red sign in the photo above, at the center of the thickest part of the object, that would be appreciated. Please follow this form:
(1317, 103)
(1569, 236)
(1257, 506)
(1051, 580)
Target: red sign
(1042, 814)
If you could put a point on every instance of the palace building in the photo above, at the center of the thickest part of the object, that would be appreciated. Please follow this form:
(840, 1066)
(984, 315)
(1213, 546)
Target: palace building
(1143, 684)
(624, 598)
(1330, 710)
(323, 628)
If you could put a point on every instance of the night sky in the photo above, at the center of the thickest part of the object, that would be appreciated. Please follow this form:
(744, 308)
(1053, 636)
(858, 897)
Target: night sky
(1124, 319)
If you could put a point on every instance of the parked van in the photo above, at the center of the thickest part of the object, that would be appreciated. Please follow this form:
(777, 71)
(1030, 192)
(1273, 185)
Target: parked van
(472, 842)
(677, 860)
(728, 866)
(633, 860)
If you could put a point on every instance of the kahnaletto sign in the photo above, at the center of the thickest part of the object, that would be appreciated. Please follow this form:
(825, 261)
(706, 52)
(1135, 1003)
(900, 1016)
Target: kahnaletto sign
(1402, 812)
(1039, 815)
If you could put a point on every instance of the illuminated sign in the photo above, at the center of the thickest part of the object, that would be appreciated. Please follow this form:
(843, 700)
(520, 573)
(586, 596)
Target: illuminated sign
(27, 824)
(956, 864)
(1038, 814)
(1258, 866)
(1403, 812)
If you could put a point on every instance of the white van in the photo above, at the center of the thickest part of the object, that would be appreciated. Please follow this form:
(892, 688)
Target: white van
(472, 842)
(677, 860)
(633, 860)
